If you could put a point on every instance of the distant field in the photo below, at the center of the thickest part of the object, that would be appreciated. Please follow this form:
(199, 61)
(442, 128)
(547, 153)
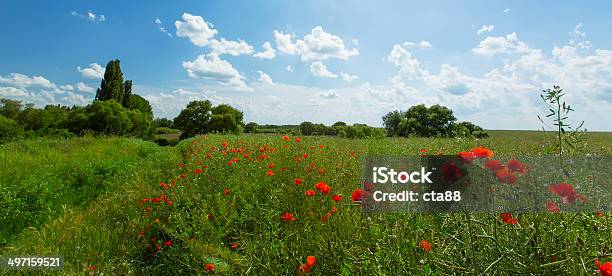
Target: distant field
(84, 198)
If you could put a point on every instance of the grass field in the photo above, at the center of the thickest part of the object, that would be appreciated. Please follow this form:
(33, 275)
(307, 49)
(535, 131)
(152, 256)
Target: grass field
(232, 204)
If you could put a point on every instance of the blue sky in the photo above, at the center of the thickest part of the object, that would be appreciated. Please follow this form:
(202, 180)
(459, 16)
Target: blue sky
(325, 60)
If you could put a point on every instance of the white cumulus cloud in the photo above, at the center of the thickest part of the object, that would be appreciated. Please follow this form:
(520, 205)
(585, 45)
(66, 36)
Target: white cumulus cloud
(267, 53)
(94, 71)
(196, 29)
(485, 28)
(82, 87)
(214, 68)
(319, 69)
(348, 77)
(493, 45)
(317, 45)
(264, 78)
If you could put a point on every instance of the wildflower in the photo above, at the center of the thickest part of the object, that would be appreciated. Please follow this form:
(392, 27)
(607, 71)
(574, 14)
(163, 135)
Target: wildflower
(270, 166)
(494, 165)
(604, 269)
(467, 157)
(357, 195)
(298, 139)
(269, 173)
(482, 152)
(225, 144)
(169, 202)
(231, 162)
(336, 198)
(234, 246)
(93, 268)
(298, 181)
(423, 151)
(517, 166)
(181, 165)
(451, 172)
(323, 188)
(286, 138)
(425, 245)
(305, 155)
(310, 262)
(508, 219)
(286, 216)
(210, 267)
(310, 193)
(504, 175)
(552, 207)
(197, 171)
(321, 146)
(566, 192)
(226, 192)
(155, 200)
(168, 243)
(599, 214)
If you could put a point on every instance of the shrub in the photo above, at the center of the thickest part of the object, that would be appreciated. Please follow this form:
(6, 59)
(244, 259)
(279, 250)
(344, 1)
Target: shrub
(9, 129)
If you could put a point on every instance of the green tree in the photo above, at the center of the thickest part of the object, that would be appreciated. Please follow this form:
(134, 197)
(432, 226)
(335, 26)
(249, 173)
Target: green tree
(112, 86)
(163, 122)
(137, 102)
(108, 117)
(194, 119)
(307, 128)
(10, 108)
(9, 129)
(391, 122)
(339, 124)
(251, 127)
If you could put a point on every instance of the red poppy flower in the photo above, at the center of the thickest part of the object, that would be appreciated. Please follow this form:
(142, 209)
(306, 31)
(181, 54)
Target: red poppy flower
(286, 138)
(168, 243)
(321, 146)
(298, 181)
(93, 268)
(504, 175)
(323, 188)
(231, 162)
(234, 246)
(517, 166)
(566, 192)
(286, 216)
(451, 172)
(310, 260)
(310, 193)
(357, 195)
(494, 165)
(181, 165)
(270, 166)
(210, 267)
(336, 198)
(304, 268)
(269, 173)
(226, 192)
(225, 144)
(155, 200)
(246, 155)
(482, 152)
(604, 269)
(508, 219)
(169, 202)
(305, 155)
(425, 245)
(197, 171)
(599, 214)
(467, 157)
(298, 139)
(552, 207)
(423, 150)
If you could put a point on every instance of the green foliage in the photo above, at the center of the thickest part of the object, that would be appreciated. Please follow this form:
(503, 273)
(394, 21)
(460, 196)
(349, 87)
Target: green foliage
(10, 108)
(307, 128)
(251, 127)
(9, 129)
(166, 130)
(112, 86)
(163, 122)
(200, 117)
(559, 110)
(435, 121)
(137, 102)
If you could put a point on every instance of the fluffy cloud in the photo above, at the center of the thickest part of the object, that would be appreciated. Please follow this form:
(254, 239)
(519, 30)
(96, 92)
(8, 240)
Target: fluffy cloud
(317, 45)
(94, 71)
(485, 28)
(348, 77)
(501, 45)
(21, 80)
(214, 68)
(264, 78)
(161, 27)
(82, 87)
(331, 94)
(38, 90)
(196, 29)
(90, 16)
(267, 53)
(234, 48)
(578, 37)
(423, 44)
(319, 69)
(289, 68)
